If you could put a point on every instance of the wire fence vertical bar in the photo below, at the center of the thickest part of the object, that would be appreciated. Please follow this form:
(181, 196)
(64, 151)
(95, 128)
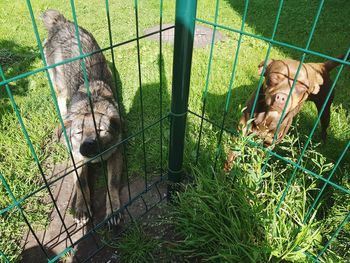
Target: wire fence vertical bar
(35, 157)
(183, 47)
(292, 88)
(335, 234)
(118, 95)
(54, 95)
(140, 88)
(313, 130)
(161, 85)
(207, 80)
(87, 85)
(326, 183)
(265, 62)
(19, 207)
(218, 148)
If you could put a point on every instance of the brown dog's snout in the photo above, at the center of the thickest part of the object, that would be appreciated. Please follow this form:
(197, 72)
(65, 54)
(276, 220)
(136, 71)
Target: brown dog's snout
(89, 147)
(280, 100)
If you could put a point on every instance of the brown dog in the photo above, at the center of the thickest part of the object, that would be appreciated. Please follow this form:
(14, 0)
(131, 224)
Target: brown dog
(313, 84)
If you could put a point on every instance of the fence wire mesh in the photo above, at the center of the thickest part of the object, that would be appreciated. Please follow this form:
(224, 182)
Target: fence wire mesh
(146, 123)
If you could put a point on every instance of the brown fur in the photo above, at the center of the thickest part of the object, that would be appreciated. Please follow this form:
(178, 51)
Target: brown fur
(313, 83)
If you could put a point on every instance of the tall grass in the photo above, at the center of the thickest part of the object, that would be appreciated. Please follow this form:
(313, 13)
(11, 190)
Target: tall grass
(232, 217)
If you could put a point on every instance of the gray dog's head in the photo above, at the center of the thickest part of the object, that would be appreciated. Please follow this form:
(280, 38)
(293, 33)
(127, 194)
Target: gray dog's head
(52, 18)
(87, 140)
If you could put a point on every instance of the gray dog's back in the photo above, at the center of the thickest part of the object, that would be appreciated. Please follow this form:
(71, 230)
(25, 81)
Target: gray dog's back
(62, 44)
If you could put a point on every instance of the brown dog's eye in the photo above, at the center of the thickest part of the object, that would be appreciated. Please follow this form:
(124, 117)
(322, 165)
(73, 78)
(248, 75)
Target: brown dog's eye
(271, 82)
(299, 87)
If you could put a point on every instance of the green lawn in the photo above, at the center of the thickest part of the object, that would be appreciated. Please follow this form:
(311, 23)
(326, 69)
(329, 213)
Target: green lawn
(19, 53)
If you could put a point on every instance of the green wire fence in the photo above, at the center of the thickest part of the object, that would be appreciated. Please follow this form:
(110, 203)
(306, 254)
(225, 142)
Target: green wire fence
(185, 21)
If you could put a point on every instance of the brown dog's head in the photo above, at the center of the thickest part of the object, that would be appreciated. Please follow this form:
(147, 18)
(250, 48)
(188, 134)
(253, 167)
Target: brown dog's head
(272, 98)
(279, 77)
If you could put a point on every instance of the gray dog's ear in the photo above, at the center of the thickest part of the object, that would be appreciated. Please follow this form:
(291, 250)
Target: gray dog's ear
(261, 66)
(116, 124)
(51, 18)
(59, 129)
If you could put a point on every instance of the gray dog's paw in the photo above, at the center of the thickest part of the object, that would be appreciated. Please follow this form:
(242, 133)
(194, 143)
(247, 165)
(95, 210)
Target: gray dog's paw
(114, 220)
(81, 216)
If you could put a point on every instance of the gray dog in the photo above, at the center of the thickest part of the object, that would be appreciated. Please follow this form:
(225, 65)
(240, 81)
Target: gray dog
(69, 84)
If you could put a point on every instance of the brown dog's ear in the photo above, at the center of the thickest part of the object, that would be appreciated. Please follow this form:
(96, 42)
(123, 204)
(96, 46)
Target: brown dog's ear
(318, 81)
(59, 129)
(261, 65)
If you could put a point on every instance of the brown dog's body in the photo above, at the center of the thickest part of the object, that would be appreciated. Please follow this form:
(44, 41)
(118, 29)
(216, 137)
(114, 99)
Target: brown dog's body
(313, 83)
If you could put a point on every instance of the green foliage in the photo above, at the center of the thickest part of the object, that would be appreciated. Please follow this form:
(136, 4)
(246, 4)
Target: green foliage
(136, 246)
(233, 218)
(275, 235)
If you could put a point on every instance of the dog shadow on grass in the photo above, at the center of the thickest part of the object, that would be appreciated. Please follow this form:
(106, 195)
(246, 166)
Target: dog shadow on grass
(15, 59)
(218, 115)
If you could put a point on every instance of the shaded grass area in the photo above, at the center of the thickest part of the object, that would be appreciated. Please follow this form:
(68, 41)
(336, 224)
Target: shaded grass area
(19, 54)
(232, 217)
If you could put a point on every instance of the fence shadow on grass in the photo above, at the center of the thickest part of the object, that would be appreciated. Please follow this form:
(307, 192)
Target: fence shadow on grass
(294, 27)
(151, 114)
(296, 21)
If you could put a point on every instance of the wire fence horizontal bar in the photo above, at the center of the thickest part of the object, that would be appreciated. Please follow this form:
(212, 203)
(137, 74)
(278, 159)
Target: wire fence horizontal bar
(234, 132)
(60, 255)
(121, 209)
(80, 165)
(3, 257)
(307, 51)
(9, 80)
(124, 229)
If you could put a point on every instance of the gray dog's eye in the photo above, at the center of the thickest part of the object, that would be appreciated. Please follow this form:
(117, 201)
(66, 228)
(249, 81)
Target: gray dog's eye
(79, 132)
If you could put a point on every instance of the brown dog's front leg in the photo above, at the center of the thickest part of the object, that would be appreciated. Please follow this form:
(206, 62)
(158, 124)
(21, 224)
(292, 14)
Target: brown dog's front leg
(326, 115)
(114, 167)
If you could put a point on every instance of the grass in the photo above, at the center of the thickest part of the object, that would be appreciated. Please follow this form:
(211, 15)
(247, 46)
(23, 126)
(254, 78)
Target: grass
(232, 217)
(137, 246)
(19, 54)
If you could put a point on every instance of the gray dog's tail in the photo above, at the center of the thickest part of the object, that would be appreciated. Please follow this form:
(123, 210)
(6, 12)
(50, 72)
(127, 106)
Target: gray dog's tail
(51, 18)
(330, 64)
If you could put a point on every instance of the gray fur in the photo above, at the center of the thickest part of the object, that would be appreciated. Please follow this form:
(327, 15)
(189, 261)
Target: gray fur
(62, 44)
(74, 104)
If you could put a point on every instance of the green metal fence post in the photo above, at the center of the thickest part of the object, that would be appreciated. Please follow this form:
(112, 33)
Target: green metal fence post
(183, 46)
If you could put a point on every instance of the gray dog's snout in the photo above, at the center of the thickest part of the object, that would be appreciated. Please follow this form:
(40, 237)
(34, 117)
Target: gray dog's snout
(89, 147)
(281, 98)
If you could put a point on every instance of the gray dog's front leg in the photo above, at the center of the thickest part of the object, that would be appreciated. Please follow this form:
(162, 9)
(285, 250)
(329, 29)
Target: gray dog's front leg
(82, 208)
(115, 167)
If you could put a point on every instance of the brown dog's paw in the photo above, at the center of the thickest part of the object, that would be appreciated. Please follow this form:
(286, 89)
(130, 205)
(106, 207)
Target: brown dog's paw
(229, 161)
